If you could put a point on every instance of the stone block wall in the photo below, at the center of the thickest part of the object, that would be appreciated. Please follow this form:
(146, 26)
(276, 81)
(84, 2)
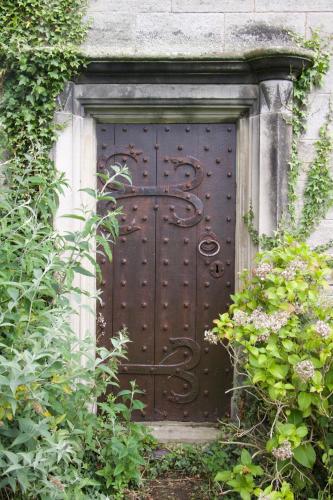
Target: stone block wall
(204, 28)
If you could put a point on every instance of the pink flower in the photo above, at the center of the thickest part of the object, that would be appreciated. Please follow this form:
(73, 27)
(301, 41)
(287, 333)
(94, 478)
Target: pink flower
(305, 370)
(283, 452)
(262, 270)
(322, 329)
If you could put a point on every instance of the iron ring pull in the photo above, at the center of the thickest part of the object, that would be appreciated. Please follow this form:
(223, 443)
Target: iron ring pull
(211, 253)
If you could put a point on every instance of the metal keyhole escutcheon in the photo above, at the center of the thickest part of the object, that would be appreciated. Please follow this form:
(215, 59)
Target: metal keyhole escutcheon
(216, 269)
(209, 247)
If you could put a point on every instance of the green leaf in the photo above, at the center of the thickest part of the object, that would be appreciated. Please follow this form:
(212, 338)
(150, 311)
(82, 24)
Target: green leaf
(138, 405)
(295, 417)
(259, 376)
(288, 345)
(106, 246)
(74, 216)
(246, 458)
(304, 400)
(89, 191)
(279, 371)
(305, 455)
(21, 438)
(85, 272)
(223, 476)
(13, 293)
(301, 431)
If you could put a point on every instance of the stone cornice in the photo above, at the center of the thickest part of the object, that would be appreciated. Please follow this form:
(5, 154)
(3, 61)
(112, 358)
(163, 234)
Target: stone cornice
(254, 66)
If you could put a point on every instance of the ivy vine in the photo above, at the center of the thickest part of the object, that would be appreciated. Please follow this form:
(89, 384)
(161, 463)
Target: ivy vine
(318, 193)
(39, 42)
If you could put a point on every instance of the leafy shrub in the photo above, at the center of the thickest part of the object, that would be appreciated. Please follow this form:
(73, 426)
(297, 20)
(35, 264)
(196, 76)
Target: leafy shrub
(49, 379)
(189, 460)
(51, 442)
(280, 335)
(120, 442)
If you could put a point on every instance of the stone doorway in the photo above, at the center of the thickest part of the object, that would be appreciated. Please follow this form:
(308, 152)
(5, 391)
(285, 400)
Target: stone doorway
(253, 91)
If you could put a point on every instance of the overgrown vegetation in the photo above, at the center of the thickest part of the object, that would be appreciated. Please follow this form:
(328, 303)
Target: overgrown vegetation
(279, 332)
(51, 444)
(280, 335)
(188, 467)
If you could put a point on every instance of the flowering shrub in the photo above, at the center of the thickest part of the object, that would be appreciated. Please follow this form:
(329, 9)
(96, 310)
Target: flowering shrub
(279, 330)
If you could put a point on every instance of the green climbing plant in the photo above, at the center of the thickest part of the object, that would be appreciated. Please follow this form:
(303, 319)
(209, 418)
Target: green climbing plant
(308, 79)
(51, 444)
(38, 54)
(318, 193)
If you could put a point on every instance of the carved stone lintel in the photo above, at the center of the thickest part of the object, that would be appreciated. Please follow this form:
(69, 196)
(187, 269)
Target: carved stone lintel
(276, 96)
(65, 99)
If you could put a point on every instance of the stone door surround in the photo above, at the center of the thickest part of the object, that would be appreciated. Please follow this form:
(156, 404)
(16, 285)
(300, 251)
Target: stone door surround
(252, 90)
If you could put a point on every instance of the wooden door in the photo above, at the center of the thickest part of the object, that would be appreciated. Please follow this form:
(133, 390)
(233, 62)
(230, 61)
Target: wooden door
(173, 265)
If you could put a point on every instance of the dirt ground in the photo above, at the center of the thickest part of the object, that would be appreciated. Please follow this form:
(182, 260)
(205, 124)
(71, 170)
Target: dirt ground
(171, 489)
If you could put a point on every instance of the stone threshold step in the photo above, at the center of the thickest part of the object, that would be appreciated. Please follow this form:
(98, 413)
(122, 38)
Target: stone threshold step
(184, 432)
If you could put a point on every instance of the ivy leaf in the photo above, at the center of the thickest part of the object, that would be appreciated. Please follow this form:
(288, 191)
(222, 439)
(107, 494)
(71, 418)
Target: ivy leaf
(305, 455)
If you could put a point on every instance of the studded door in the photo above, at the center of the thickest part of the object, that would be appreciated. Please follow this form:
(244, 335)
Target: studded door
(173, 265)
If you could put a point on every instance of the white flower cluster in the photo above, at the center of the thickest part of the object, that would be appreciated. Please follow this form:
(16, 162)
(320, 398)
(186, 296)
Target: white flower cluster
(278, 320)
(323, 329)
(305, 370)
(262, 321)
(241, 318)
(262, 270)
(273, 322)
(325, 300)
(263, 337)
(283, 452)
(211, 337)
(263, 496)
(296, 265)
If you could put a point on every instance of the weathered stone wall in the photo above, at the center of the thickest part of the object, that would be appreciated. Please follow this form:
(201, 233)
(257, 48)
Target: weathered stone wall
(203, 28)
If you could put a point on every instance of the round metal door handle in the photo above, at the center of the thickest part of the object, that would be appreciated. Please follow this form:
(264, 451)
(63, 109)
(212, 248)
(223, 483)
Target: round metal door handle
(211, 253)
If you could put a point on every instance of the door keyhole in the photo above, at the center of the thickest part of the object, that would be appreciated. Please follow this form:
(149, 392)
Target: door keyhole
(217, 269)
